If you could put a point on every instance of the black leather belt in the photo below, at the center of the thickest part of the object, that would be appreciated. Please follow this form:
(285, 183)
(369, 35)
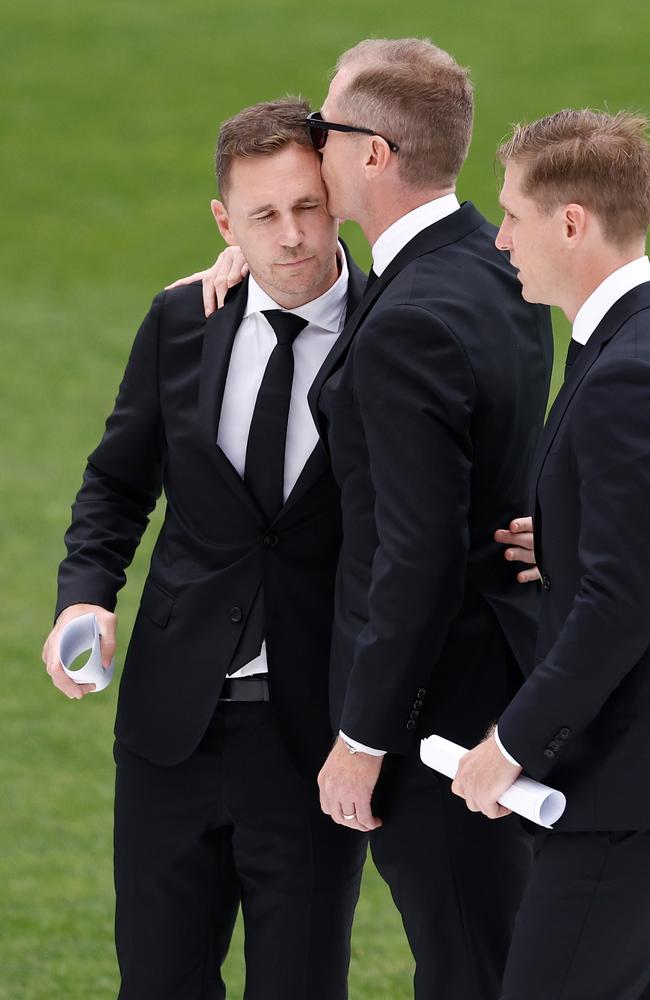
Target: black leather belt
(253, 688)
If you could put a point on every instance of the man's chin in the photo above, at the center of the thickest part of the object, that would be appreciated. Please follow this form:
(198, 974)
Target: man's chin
(335, 209)
(301, 286)
(526, 292)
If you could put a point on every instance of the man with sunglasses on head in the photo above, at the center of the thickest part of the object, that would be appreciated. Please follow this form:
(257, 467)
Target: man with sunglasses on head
(223, 721)
(430, 404)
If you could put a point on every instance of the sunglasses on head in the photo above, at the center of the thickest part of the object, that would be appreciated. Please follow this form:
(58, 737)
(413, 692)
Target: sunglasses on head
(318, 129)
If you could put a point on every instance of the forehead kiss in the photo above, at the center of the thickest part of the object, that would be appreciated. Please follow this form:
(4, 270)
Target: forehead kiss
(288, 180)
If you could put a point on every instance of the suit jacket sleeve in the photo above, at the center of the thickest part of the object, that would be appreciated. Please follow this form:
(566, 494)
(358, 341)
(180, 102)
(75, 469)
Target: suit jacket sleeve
(608, 628)
(415, 391)
(121, 483)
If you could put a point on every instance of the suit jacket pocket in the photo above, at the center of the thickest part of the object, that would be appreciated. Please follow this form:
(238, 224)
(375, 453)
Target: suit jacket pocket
(156, 604)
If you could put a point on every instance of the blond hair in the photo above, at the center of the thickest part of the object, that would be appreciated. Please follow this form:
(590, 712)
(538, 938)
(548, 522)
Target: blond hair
(416, 95)
(260, 130)
(597, 160)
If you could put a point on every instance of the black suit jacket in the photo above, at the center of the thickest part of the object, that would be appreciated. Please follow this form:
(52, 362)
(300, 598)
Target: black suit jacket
(215, 548)
(432, 402)
(582, 719)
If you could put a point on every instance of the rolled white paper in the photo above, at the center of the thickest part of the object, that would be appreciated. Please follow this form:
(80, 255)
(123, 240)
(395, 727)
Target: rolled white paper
(528, 798)
(79, 636)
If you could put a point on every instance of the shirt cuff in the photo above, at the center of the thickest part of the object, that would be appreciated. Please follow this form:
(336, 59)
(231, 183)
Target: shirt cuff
(503, 749)
(360, 746)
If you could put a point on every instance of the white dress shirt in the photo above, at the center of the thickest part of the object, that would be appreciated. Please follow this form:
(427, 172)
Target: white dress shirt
(588, 316)
(254, 341)
(609, 291)
(384, 250)
(387, 246)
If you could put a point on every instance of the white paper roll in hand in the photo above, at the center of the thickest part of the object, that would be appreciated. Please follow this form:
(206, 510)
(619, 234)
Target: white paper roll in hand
(527, 798)
(79, 636)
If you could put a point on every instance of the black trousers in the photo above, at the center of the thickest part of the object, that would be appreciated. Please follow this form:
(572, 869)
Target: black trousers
(456, 877)
(234, 824)
(583, 931)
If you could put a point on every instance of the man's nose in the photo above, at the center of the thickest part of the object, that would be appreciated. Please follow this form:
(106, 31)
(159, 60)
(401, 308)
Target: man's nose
(291, 234)
(502, 239)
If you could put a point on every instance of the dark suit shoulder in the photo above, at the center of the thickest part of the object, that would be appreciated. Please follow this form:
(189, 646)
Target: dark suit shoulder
(632, 339)
(470, 266)
(469, 287)
(610, 424)
(182, 316)
(182, 305)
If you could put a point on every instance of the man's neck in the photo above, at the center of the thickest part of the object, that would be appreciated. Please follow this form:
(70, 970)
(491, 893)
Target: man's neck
(593, 274)
(390, 206)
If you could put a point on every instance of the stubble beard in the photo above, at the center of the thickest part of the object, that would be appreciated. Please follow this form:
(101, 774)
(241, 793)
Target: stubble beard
(311, 286)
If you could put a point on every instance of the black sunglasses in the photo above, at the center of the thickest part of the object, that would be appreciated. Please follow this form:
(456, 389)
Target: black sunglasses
(318, 129)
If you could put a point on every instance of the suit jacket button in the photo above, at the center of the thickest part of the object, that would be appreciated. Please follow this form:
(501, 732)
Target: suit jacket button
(555, 744)
(410, 724)
(565, 732)
(549, 754)
(270, 540)
(418, 704)
(414, 714)
(236, 615)
(422, 692)
(546, 582)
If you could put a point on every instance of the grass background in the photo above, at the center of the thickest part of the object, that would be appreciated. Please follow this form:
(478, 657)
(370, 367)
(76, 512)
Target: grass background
(108, 118)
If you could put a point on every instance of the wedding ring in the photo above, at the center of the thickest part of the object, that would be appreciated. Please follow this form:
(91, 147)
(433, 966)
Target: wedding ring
(351, 816)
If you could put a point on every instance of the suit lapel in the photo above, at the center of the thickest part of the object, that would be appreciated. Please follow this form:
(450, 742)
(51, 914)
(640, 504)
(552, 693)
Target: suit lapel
(356, 285)
(454, 227)
(630, 303)
(318, 462)
(315, 466)
(220, 330)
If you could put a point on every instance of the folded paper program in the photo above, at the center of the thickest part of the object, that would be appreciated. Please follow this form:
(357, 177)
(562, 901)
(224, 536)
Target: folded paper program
(80, 636)
(528, 798)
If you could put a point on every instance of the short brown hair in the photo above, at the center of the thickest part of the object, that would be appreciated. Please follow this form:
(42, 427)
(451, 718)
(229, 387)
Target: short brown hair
(260, 130)
(594, 159)
(416, 95)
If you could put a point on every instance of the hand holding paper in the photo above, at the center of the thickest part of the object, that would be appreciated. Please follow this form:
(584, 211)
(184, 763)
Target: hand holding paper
(528, 798)
(79, 636)
(80, 628)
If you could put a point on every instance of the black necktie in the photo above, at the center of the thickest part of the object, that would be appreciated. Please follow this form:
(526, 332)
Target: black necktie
(372, 277)
(572, 354)
(264, 469)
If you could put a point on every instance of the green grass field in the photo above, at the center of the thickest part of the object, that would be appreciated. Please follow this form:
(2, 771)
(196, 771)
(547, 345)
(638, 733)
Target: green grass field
(109, 115)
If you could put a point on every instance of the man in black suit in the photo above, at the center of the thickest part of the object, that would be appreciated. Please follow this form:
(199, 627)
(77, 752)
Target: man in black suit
(431, 404)
(576, 197)
(222, 722)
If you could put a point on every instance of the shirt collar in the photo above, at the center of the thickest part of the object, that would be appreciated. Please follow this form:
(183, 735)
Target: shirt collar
(326, 312)
(609, 291)
(395, 238)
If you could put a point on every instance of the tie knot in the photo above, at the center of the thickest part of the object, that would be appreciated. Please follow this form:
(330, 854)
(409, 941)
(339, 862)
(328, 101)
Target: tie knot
(286, 325)
(574, 350)
(372, 277)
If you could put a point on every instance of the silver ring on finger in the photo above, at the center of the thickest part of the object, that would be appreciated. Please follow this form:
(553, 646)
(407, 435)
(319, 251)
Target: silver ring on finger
(351, 816)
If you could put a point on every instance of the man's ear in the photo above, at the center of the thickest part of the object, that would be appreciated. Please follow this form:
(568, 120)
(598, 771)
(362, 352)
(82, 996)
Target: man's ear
(220, 213)
(575, 222)
(378, 157)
